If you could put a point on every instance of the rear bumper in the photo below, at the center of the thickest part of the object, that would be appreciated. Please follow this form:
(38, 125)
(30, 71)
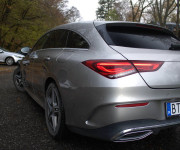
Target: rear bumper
(127, 131)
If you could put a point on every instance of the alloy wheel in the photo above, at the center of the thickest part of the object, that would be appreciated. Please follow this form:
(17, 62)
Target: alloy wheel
(54, 111)
(18, 80)
(9, 61)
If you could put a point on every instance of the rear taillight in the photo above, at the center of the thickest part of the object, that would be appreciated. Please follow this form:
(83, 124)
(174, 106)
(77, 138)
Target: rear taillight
(111, 68)
(118, 68)
(147, 66)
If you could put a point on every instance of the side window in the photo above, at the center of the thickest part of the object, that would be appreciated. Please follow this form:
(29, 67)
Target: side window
(40, 43)
(50, 41)
(76, 41)
(60, 38)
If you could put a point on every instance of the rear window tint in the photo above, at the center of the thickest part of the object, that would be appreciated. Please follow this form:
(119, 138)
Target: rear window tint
(137, 37)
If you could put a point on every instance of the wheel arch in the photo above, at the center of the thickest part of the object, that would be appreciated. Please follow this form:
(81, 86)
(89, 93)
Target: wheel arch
(50, 80)
(9, 57)
(47, 82)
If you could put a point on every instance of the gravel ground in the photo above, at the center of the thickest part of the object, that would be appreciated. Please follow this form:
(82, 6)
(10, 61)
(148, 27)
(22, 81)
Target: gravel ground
(22, 126)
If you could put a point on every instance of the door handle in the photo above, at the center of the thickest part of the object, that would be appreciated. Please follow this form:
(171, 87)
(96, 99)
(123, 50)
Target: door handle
(25, 62)
(47, 58)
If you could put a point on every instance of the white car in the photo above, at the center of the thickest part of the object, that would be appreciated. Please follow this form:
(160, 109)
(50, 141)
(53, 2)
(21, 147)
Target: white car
(9, 57)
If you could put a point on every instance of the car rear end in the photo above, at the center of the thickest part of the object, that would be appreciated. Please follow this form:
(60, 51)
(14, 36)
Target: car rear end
(142, 91)
(124, 86)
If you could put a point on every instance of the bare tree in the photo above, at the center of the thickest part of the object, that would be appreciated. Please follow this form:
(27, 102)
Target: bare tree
(73, 14)
(138, 8)
(123, 10)
(177, 23)
(161, 10)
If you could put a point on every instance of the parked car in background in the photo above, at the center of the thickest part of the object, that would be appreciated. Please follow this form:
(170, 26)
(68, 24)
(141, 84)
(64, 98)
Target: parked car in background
(116, 81)
(9, 57)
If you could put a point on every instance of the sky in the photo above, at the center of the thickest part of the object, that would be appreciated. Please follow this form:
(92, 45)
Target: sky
(87, 8)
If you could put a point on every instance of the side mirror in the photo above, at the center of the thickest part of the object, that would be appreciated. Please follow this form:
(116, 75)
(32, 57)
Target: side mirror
(25, 50)
(1, 51)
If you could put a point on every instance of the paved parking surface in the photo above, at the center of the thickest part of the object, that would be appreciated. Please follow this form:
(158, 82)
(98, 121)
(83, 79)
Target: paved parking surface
(22, 126)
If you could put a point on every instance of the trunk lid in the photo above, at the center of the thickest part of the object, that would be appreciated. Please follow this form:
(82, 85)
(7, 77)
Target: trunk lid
(146, 43)
(168, 76)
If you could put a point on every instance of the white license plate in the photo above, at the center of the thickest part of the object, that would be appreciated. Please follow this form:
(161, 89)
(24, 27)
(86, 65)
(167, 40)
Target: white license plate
(173, 109)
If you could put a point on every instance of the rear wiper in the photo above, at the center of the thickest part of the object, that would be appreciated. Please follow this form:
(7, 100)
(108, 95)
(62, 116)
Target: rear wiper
(175, 47)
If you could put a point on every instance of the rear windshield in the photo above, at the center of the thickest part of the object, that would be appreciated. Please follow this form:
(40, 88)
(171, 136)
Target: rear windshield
(137, 37)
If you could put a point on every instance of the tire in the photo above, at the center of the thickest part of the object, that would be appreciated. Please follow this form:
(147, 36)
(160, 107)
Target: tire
(54, 113)
(9, 61)
(17, 79)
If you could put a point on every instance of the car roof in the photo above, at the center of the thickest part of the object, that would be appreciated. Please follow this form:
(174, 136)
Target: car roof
(73, 25)
(86, 26)
(83, 24)
(126, 23)
(133, 24)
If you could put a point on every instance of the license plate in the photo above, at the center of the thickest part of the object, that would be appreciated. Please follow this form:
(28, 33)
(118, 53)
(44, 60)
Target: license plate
(173, 109)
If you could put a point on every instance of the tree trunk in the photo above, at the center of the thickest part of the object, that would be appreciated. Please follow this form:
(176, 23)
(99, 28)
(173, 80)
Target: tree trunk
(177, 23)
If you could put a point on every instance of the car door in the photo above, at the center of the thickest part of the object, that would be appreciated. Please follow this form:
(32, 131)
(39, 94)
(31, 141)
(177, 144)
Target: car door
(28, 64)
(68, 62)
(45, 64)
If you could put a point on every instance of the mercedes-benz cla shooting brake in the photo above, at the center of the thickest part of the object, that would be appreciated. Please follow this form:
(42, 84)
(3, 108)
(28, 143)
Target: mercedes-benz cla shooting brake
(114, 81)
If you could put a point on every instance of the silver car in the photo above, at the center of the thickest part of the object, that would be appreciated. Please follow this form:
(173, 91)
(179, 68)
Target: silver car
(9, 57)
(116, 81)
